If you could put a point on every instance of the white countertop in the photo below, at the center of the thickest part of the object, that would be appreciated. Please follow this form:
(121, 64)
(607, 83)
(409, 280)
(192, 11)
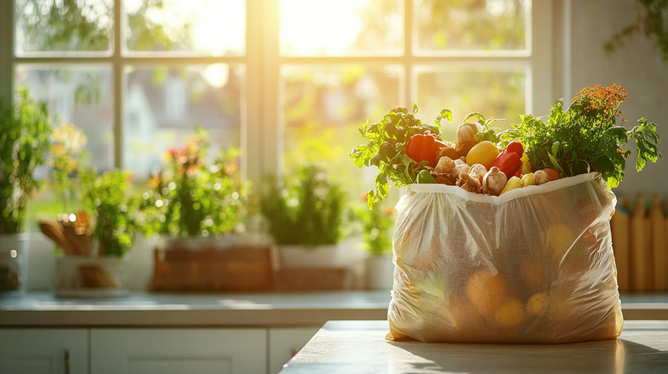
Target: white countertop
(360, 347)
(247, 310)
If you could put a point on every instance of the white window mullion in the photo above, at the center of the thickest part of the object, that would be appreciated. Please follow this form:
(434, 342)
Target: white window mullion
(271, 134)
(541, 59)
(118, 87)
(251, 127)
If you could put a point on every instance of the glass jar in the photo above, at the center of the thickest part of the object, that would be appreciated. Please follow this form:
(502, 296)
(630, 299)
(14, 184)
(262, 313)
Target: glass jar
(13, 264)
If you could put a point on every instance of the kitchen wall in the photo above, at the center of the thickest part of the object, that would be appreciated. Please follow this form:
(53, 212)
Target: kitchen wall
(637, 66)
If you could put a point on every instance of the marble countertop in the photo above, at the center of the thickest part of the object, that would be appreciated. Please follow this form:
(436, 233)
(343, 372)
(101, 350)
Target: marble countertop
(360, 347)
(42, 309)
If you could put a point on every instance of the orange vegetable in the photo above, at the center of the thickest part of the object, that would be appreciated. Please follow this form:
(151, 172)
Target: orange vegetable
(554, 175)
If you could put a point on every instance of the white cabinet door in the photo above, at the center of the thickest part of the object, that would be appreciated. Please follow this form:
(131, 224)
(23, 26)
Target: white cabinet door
(285, 343)
(37, 351)
(172, 351)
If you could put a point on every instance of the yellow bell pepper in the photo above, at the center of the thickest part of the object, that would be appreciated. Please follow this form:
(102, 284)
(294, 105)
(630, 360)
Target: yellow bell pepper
(512, 184)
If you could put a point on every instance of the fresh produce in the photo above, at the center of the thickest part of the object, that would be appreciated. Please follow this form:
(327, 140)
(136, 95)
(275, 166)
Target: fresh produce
(386, 149)
(423, 147)
(582, 139)
(425, 177)
(512, 184)
(541, 177)
(553, 174)
(586, 136)
(483, 153)
(528, 180)
(494, 181)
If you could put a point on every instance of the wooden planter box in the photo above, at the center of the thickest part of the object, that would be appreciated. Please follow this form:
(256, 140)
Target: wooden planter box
(237, 268)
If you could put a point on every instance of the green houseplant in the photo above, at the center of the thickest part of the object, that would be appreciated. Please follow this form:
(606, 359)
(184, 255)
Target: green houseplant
(192, 197)
(24, 139)
(304, 212)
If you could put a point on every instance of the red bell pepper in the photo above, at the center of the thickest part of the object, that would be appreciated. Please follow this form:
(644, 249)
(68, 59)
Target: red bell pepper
(515, 147)
(508, 163)
(423, 147)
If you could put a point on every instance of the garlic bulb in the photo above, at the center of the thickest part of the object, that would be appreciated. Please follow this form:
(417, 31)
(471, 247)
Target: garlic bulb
(467, 133)
(494, 181)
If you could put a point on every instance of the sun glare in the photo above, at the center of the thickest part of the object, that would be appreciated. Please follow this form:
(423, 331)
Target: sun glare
(319, 27)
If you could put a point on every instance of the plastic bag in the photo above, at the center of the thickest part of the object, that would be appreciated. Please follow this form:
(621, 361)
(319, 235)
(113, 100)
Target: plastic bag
(532, 266)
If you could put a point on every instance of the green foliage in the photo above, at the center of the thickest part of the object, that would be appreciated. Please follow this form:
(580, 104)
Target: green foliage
(487, 133)
(108, 197)
(652, 20)
(378, 226)
(191, 197)
(585, 137)
(147, 35)
(305, 208)
(24, 141)
(386, 149)
(66, 25)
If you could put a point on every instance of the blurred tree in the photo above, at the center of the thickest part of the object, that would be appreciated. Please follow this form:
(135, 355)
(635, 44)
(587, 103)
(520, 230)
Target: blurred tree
(65, 25)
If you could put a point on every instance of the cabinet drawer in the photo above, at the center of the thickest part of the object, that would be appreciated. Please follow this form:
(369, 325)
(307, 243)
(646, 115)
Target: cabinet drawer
(167, 351)
(48, 351)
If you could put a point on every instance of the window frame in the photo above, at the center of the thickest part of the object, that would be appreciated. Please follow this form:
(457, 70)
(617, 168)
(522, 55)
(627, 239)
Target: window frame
(261, 113)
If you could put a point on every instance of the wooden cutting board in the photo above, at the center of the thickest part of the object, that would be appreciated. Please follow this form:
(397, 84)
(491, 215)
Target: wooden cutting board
(658, 223)
(641, 267)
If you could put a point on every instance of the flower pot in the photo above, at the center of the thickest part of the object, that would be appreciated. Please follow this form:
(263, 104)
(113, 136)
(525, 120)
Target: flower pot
(13, 264)
(379, 272)
(299, 256)
(90, 277)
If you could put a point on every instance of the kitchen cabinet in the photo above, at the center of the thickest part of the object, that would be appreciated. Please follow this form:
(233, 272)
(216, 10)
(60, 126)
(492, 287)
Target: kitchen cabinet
(37, 351)
(284, 343)
(166, 351)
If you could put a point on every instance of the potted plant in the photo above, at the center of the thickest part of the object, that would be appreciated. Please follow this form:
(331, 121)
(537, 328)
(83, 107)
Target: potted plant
(195, 198)
(24, 139)
(378, 226)
(198, 207)
(304, 215)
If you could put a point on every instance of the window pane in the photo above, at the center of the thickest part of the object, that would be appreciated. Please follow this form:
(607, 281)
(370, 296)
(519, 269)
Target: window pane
(324, 107)
(163, 105)
(494, 92)
(194, 27)
(468, 25)
(341, 27)
(80, 95)
(63, 26)
(75, 94)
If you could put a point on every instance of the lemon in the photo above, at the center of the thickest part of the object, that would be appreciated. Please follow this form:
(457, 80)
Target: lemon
(486, 291)
(510, 313)
(483, 153)
(537, 304)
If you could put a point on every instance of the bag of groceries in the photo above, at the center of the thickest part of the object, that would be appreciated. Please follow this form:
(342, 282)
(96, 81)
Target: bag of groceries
(505, 236)
(534, 265)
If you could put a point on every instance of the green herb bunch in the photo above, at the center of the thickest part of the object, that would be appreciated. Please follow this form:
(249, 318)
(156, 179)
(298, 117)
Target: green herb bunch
(386, 149)
(108, 197)
(192, 197)
(586, 137)
(304, 208)
(24, 140)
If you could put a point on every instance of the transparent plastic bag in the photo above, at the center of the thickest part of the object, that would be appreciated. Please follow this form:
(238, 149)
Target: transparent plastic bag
(532, 266)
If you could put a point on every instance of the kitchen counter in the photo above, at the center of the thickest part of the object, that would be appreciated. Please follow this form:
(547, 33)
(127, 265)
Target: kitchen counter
(360, 347)
(42, 309)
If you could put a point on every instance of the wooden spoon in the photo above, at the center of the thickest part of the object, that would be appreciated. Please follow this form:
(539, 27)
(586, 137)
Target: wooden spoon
(54, 231)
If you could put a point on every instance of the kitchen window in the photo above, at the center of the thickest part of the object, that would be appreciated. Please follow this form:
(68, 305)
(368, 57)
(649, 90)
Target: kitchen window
(285, 80)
